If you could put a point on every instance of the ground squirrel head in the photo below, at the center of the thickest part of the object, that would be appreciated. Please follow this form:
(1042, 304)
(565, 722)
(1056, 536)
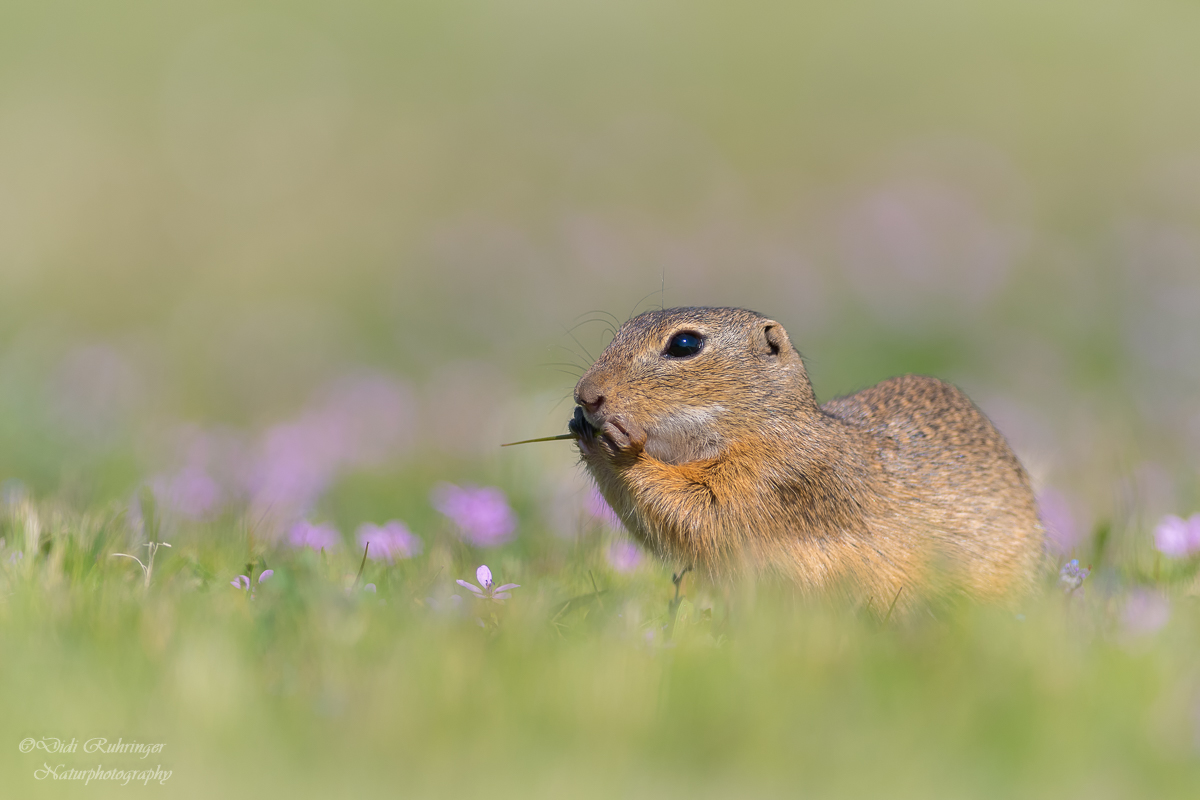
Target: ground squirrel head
(682, 383)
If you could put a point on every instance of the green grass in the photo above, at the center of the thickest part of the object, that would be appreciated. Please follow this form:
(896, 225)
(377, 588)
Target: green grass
(314, 689)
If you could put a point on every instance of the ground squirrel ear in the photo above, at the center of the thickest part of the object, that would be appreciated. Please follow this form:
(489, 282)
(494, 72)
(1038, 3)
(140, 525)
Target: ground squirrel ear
(776, 338)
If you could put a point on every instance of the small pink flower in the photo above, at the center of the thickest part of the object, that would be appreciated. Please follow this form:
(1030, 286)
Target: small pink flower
(489, 591)
(389, 541)
(481, 513)
(190, 493)
(243, 581)
(1177, 537)
(318, 537)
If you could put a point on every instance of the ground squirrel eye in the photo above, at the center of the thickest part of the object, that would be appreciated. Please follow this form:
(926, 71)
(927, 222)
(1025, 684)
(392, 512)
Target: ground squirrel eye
(684, 344)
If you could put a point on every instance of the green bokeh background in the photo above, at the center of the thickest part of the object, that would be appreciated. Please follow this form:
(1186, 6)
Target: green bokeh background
(209, 211)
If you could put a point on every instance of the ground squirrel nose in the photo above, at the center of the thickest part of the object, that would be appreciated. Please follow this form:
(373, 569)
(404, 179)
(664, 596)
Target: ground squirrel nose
(589, 397)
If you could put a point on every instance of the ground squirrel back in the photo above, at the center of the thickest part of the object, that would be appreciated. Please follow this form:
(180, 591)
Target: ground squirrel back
(701, 429)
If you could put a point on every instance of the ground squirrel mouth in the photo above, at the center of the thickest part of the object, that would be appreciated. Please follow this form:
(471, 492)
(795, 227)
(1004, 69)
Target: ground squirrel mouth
(610, 431)
(579, 425)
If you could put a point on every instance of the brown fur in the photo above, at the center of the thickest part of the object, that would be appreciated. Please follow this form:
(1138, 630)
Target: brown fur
(724, 461)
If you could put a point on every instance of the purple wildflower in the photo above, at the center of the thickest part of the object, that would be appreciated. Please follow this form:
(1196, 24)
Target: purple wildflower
(201, 477)
(624, 555)
(1177, 537)
(360, 421)
(367, 417)
(390, 541)
(481, 514)
(1071, 576)
(599, 509)
(190, 492)
(243, 581)
(318, 537)
(489, 591)
(1145, 612)
(296, 463)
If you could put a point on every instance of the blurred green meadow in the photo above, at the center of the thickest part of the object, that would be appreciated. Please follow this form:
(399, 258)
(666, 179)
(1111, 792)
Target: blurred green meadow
(277, 280)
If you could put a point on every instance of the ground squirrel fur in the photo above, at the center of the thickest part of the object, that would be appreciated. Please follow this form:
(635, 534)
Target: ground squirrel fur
(702, 431)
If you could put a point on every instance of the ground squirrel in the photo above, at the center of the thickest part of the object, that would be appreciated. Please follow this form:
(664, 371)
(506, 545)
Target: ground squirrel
(701, 428)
